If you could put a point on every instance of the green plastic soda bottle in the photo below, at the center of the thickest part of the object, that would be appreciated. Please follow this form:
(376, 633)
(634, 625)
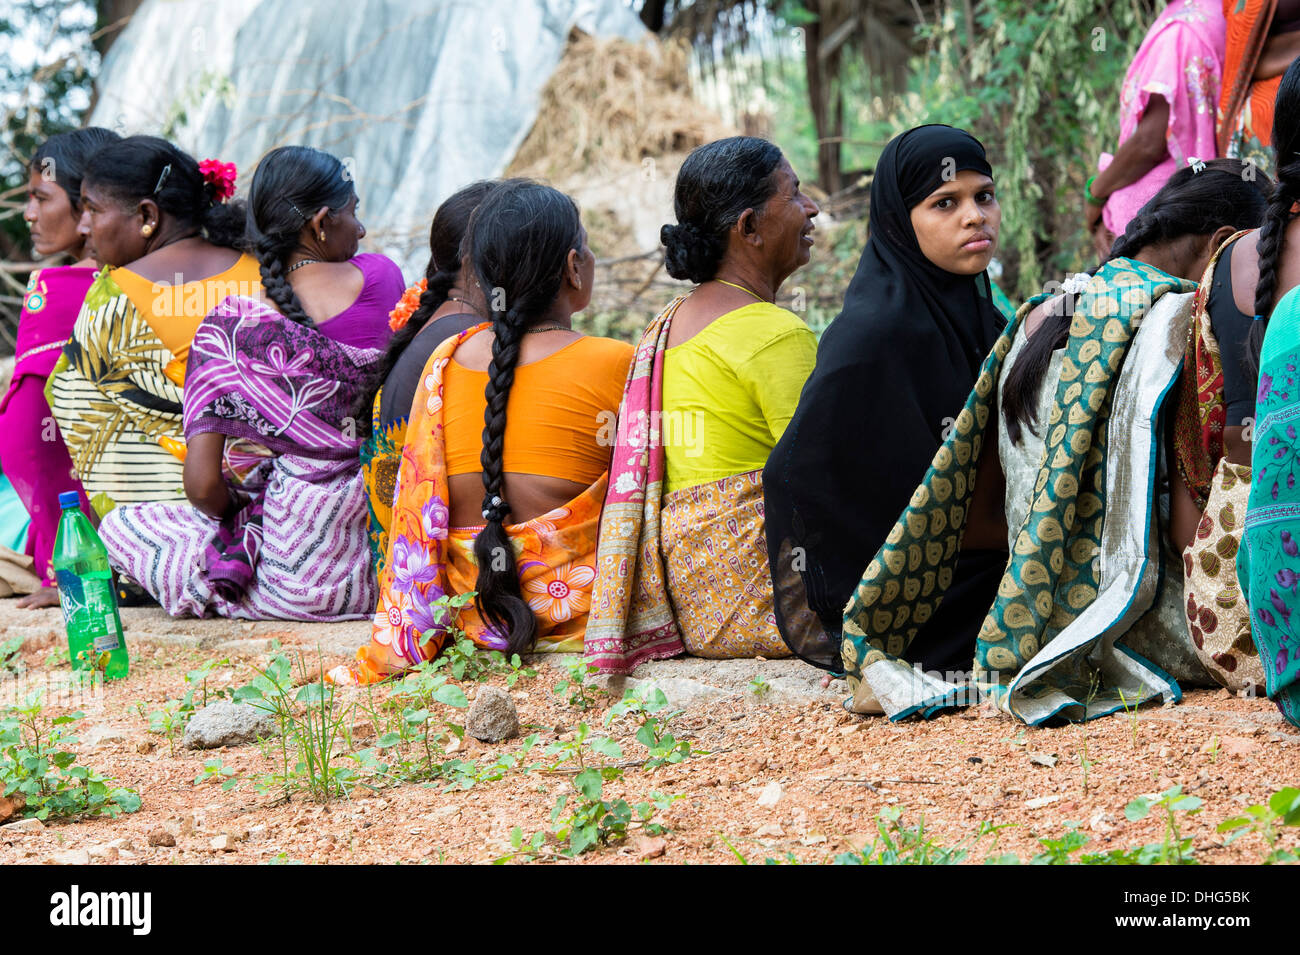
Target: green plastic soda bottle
(95, 640)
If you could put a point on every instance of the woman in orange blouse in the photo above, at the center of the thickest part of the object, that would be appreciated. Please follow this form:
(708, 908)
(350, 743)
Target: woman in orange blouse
(507, 452)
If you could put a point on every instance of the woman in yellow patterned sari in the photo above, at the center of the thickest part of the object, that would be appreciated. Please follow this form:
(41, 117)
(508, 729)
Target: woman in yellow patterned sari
(169, 241)
(683, 557)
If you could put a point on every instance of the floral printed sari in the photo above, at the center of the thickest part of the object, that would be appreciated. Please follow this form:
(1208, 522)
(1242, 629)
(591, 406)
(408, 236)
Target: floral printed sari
(428, 560)
(1268, 567)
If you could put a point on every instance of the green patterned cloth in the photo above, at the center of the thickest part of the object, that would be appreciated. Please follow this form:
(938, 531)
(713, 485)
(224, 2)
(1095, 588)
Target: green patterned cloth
(381, 457)
(1084, 566)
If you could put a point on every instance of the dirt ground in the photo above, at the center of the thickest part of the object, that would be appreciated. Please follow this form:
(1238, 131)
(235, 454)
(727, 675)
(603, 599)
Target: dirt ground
(795, 779)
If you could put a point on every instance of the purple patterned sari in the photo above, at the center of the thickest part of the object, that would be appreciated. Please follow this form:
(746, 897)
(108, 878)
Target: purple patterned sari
(283, 394)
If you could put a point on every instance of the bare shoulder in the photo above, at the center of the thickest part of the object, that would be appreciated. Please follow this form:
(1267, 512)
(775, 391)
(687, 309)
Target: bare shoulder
(335, 276)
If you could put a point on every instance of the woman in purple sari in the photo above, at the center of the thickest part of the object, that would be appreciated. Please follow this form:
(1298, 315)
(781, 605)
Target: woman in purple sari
(32, 452)
(303, 228)
(279, 530)
(278, 527)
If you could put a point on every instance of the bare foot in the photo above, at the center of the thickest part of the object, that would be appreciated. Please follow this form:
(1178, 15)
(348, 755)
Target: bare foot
(826, 681)
(45, 597)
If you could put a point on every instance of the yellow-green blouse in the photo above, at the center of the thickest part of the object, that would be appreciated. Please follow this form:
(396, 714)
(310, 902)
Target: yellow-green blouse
(730, 391)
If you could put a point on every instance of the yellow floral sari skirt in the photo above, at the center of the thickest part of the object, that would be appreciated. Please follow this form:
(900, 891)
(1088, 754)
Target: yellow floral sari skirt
(715, 554)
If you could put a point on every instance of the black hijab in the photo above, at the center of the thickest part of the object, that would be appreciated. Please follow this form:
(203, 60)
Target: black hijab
(893, 371)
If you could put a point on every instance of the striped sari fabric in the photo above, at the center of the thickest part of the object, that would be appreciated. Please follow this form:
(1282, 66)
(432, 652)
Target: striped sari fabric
(282, 394)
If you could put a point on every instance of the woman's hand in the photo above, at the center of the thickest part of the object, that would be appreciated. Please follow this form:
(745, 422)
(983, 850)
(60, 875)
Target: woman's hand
(45, 597)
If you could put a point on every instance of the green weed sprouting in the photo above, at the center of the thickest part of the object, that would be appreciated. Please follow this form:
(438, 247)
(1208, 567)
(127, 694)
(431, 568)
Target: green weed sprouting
(1282, 809)
(38, 764)
(648, 706)
(171, 719)
(582, 694)
(308, 723)
(901, 845)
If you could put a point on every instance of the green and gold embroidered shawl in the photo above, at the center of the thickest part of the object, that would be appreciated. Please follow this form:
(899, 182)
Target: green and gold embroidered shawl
(1085, 565)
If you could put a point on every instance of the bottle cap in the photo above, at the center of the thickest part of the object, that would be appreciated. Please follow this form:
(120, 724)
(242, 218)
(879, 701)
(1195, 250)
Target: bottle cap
(69, 499)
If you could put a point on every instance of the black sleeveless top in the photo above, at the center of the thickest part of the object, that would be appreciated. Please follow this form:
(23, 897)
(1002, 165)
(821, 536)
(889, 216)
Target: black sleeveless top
(1230, 327)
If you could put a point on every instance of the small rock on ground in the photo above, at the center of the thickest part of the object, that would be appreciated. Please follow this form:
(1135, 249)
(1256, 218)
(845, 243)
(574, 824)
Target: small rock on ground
(161, 837)
(492, 716)
(10, 806)
(24, 825)
(70, 857)
(227, 724)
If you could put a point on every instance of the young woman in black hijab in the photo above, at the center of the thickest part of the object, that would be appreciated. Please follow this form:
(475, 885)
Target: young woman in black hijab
(893, 370)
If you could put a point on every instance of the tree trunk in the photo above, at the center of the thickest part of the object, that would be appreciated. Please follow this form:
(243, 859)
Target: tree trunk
(824, 98)
(652, 14)
(110, 19)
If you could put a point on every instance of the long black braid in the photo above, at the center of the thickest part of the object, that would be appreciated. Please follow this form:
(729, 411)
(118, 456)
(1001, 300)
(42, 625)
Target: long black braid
(290, 184)
(519, 241)
(1226, 192)
(1272, 234)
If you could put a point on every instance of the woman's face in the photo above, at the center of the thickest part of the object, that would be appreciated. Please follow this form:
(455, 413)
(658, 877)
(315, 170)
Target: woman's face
(51, 217)
(113, 232)
(343, 232)
(957, 225)
(786, 223)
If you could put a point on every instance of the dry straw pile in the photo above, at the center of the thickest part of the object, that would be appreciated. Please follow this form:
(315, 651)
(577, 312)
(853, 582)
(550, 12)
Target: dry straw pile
(613, 102)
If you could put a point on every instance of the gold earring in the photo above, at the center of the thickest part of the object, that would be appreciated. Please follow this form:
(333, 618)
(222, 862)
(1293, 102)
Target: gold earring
(322, 235)
(146, 230)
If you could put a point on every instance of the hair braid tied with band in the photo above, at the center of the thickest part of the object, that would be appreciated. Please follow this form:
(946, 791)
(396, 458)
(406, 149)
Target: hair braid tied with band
(519, 241)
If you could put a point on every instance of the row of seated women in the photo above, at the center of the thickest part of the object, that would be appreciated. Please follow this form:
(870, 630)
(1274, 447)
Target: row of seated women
(192, 416)
(729, 487)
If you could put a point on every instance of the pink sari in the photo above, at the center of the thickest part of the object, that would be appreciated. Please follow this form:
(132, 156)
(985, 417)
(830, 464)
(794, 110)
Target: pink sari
(1180, 59)
(32, 452)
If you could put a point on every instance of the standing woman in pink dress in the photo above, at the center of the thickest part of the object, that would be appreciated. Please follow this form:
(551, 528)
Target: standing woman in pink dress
(32, 453)
(1167, 111)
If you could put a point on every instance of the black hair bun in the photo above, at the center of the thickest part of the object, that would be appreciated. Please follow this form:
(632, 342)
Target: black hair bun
(690, 253)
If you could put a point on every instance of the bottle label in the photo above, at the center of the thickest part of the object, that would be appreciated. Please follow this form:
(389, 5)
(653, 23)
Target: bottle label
(90, 607)
(110, 641)
(102, 622)
(72, 597)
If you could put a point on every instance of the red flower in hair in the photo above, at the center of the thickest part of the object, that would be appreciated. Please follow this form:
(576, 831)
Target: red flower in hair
(221, 175)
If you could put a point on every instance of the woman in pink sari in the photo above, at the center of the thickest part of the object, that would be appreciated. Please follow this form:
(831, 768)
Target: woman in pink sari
(32, 452)
(1167, 115)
